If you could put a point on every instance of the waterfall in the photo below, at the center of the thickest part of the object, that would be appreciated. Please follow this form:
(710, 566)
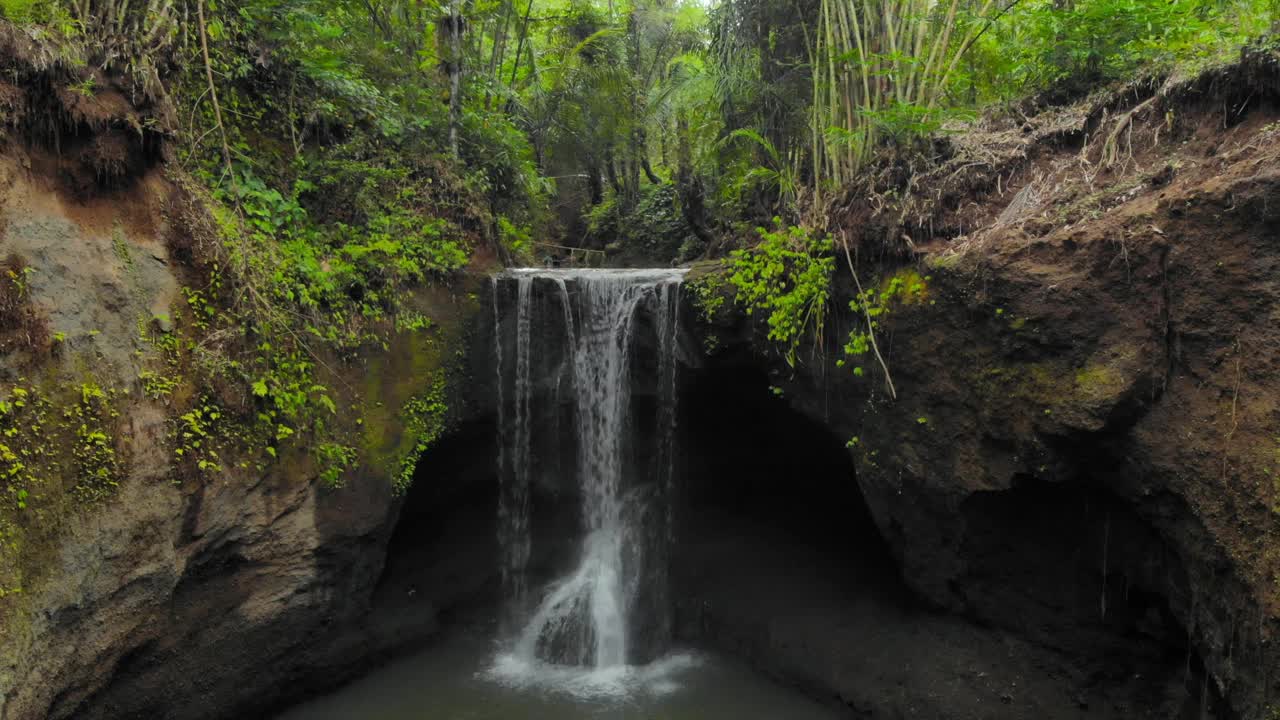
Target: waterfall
(514, 446)
(588, 617)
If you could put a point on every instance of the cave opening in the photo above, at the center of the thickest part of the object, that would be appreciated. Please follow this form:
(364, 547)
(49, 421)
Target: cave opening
(440, 565)
(761, 482)
(779, 561)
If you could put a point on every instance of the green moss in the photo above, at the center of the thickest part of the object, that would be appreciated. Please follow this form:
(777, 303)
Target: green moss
(872, 306)
(412, 363)
(1038, 384)
(1098, 381)
(333, 460)
(406, 393)
(906, 286)
(943, 262)
(710, 293)
(424, 418)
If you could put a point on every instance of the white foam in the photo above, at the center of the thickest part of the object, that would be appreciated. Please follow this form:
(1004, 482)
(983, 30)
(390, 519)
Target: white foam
(617, 682)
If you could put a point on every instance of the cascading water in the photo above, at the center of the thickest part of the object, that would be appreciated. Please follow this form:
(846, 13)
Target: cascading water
(589, 618)
(514, 448)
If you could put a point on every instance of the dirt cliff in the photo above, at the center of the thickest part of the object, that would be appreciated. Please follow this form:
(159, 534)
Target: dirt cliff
(1083, 447)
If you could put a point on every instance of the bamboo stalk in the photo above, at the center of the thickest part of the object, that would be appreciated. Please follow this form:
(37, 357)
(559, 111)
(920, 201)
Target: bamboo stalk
(213, 95)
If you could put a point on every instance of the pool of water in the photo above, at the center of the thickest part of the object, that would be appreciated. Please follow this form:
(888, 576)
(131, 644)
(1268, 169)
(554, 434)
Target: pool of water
(461, 678)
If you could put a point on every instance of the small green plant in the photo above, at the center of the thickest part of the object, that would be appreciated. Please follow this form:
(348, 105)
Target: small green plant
(87, 87)
(98, 463)
(517, 239)
(425, 417)
(197, 436)
(708, 295)
(20, 277)
(21, 11)
(872, 304)
(27, 457)
(787, 277)
(120, 246)
(412, 321)
(157, 386)
(203, 311)
(334, 459)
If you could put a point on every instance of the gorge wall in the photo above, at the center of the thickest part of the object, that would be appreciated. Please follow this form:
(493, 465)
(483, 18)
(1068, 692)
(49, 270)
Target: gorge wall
(1083, 446)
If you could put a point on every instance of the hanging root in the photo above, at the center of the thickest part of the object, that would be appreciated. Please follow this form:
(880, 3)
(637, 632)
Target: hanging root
(1111, 147)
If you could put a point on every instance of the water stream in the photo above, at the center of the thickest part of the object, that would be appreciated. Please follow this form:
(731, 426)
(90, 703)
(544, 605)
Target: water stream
(585, 619)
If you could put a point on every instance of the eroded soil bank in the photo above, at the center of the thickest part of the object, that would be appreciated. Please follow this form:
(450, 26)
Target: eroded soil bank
(1082, 450)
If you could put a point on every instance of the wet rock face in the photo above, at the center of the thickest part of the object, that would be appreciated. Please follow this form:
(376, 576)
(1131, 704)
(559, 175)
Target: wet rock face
(192, 599)
(1114, 377)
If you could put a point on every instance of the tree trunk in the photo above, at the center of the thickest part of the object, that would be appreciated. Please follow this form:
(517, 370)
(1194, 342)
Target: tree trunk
(648, 171)
(499, 50)
(612, 172)
(689, 187)
(451, 62)
(595, 186)
(515, 66)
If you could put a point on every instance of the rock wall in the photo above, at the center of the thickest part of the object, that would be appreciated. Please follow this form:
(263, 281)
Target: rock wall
(1084, 439)
(173, 596)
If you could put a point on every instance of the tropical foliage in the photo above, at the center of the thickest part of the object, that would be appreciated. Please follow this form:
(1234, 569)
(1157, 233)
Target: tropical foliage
(361, 147)
(745, 108)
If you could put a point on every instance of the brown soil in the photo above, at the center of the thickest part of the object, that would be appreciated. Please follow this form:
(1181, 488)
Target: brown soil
(99, 134)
